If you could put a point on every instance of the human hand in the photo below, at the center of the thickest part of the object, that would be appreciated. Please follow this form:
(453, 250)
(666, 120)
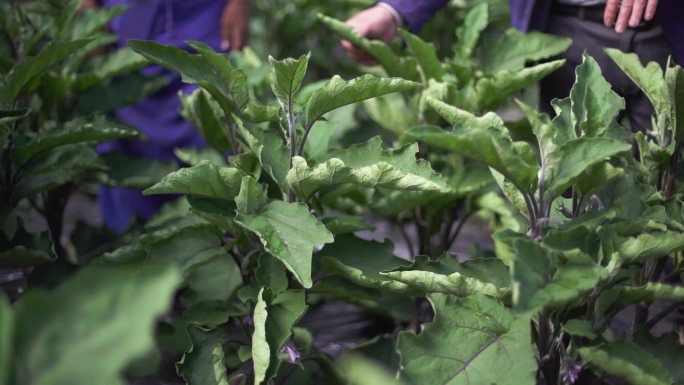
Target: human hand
(88, 4)
(373, 23)
(235, 25)
(622, 12)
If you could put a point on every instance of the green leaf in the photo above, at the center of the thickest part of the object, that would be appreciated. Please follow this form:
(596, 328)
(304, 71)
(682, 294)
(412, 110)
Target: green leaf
(200, 109)
(471, 341)
(132, 172)
(209, 70)
(579, 328)
(7, 326)
(288, 232)
(620, 297)
(367, 165)
(537, 284)
(665, 349)
(199, 365)
(273, 322)
(650, 245)
(491, 91)
(339, 92)
(426, 56)
(594, 104)
(447, 276)
(105, 67)
(32, 66)
(10, 116)
(649, 78)
(273, 154)
(286, 78)
(674, 76)
(362, 262)
(213, 312)
(87, 330)
(394, 64)
(216, 278)
(512, 51)
(627, 360)
(571, 160)
(204, 180)
(252, 196)
(194, 156)
(79, 130)
(345, 224)
(119, 92)
(363, 371)
(20, 256)
(261, 351)
(481, 138)
(469, 33)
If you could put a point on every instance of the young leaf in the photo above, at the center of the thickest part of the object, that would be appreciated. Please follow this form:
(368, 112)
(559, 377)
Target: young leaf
(649, 78)
(288, 232)
(286, 78)
(105, 67)
(426, 56)
(75, 335)
(261, 351)
(345, 224)
(674, 76)
(200, 109)
(620, 297)
(515, 49)
(594, 103)
(447, 276)
(198, 367)
(32, 66)
(468, 338)
(204, 180)
(469, 33)
(627, 360)
(481, 138)
(252, 196)
(339, 92)
(650, 245)
(537, 284)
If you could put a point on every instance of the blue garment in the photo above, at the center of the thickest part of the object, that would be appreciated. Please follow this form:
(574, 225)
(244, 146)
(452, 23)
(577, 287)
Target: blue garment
(168, 22)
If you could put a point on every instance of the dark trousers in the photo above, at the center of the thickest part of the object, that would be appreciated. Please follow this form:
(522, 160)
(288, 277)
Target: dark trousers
(647, 42)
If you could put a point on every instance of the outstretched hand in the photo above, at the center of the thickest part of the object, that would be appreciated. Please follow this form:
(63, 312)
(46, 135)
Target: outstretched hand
(621, 13)
(373, 23)
(235, 25)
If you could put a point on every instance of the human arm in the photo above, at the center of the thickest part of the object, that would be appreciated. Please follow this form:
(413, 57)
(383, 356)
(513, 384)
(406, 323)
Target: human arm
(621, 13)
(381, 22)
(235, 25)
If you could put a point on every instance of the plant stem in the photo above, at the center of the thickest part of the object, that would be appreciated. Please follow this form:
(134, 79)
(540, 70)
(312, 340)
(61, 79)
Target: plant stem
(292, 130)
(300, 151)
(660, 316)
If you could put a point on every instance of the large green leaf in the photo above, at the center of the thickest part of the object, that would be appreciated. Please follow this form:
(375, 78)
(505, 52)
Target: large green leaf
(595, 105)
(512, 51)
(627, 360)
(448, 276)
(394, 64)
(571, 160)
(87, 330)
(491, 91)
(481, 138)
(339, 92)
(649, 78)
(666, 349)
(367, 165)
(286, 78)
(426, 56)
(252, 196)
(210, 70)
(272, 152)
(362, 261)
(7, 326)
(650, 245)
(474, 340)
(105, 67)
(32, 66)
(620, 297)
(200, 109)
(217, 278)
(288, 232)
(76, 131)
(537, 283)
(198, 366)
(674, 76)
(204, 180)
(469, 33)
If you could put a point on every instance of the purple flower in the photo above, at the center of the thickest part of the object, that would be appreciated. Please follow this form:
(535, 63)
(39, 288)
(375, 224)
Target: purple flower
(292, 352)
(571, 372)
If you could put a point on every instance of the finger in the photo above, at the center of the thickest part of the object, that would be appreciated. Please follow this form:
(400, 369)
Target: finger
(637, 13)
(623, 16)
(225, 36)
(358, 55)
(609, 15)
(651, 8)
